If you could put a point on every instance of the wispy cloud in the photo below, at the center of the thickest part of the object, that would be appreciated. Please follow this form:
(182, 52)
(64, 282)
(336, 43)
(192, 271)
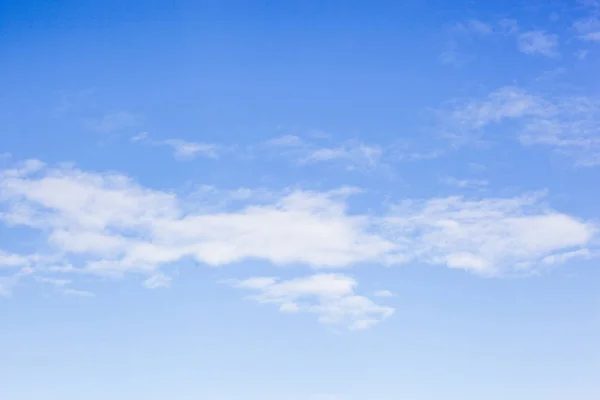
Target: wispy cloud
(568, 124)
(529, 42)
(354, 155)
(116, 121)
(81, 293)
(564, 257)
(489, 236)
(53, 281)
(8, 260)
(286, 141)
(458, 33)
(351, 154)
(331, 297)
(538, 42)
(71, 99)
(465, 183)
(62, 285)
(588, 28)
(7, 283)
(182, 150)
(464, 121)
(157, 280)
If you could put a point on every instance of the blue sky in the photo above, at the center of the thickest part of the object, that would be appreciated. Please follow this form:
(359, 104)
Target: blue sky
(299, 200)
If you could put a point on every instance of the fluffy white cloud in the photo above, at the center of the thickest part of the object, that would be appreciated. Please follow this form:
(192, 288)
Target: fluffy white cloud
(106, 224)
(120, 226)
(331, 297)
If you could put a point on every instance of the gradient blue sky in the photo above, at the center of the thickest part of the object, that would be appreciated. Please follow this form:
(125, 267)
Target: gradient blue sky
(299, 200)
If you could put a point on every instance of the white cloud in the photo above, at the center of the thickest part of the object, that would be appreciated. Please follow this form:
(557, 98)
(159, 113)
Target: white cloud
(122, 226)
(106, 224)
(182, 150)
(330, 296)
(489, 237)
(12, 260)
(116, 121)
(538, 42)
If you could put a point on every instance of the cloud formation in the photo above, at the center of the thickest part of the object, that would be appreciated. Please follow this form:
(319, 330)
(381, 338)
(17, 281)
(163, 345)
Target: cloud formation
(106, 224)
(535, 42)
(493, 236)
(122, 226)
(588, 28)
(465, 183)
(330, 296)
(182, 150)
(116, 121)
(351, 154)
(569, 124)
(538, 42)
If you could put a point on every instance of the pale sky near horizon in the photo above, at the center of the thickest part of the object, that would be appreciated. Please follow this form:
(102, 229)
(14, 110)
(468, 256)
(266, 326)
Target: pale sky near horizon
(299, 200)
